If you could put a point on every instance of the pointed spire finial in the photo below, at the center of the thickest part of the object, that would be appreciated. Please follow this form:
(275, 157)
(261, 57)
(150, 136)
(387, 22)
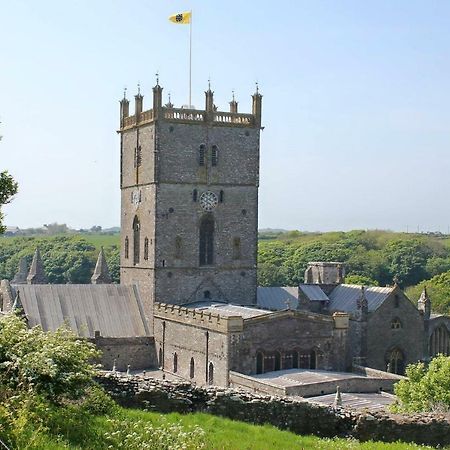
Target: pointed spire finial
(170, 100)
(101, 272)
(139, 88)
(157, 78)
(232, 92)
(257, 87)
(125, 93)
(36, 275)
(209, 83)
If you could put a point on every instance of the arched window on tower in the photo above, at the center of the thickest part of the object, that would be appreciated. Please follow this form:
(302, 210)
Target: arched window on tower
(192, 368)
(214, 155)
(136, 240)
(201, 155)
(127, 247)
(221, 196)
(146, 248)
(206, 240)
(194, 195)
(396, 324)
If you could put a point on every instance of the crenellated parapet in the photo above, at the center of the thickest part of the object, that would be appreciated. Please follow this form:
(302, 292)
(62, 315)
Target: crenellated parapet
(203, 319)
(169, 113)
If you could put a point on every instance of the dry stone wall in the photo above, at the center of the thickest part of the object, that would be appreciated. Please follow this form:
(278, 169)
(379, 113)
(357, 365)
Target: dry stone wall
(291, 414)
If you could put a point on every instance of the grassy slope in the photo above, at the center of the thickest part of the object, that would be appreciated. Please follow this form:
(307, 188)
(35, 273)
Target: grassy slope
(220, 434)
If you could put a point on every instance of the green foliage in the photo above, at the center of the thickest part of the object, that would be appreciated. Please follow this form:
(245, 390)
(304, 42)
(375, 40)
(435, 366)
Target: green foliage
(379, 256)
(144, 435)
(362, 280)
(67, 259)
(8, 188)
(53, 365)
(438, 289)
(427, 388)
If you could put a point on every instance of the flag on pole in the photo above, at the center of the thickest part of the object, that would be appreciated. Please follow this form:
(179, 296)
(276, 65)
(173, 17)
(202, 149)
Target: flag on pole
(182, 18)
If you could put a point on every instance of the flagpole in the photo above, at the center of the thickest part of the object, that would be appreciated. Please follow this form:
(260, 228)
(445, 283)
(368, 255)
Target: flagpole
(190, 60)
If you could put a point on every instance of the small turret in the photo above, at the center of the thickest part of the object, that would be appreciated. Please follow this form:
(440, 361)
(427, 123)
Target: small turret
(101, 272)
(157, 97)
(21, 276)
(257, 106)
(424, 304)
(233, 105)
(36, 275)
(138, 104)
(124, 107)
(209, 106)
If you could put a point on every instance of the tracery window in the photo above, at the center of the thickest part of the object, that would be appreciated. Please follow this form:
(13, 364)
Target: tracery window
(214, 155)
(206, 241)
(396, 362)
(201, 155)
(396, 324)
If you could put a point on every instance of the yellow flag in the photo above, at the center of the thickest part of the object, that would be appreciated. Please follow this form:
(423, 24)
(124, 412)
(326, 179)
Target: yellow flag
(184, 17)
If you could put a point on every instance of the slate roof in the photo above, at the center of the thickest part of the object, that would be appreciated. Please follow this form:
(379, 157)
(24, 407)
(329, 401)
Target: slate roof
(276, 298)
(313, 292)
(226, 309)
(114, 310)
(344, 297)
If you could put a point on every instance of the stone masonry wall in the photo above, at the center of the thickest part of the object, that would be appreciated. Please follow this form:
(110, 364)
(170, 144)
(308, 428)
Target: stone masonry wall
(294, 415)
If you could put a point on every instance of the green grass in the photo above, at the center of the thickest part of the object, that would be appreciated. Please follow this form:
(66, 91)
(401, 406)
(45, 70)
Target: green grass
(220, 434)
(102, 240)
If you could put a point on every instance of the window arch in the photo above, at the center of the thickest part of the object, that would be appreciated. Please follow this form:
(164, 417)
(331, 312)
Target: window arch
(206, 241)
(175, 362)
(221, 196)
(440, 341)
(146, 248)
(396, 324)
(259, 362)
(214, 155)
(136, 239)
(194, 195)
(192, 368)
(127, 247)
(201, 155)
(396, 361)
(210, 373)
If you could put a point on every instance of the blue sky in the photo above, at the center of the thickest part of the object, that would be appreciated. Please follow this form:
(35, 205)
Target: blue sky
(356, 103)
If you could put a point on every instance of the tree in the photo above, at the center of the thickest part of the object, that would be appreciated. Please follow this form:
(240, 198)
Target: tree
(427, 388)
(8, 188)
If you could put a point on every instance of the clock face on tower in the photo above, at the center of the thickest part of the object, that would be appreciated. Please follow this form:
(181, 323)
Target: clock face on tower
(208, 200)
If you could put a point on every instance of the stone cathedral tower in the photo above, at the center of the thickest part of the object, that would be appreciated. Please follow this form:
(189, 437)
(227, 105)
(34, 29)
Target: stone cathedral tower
(189, 187)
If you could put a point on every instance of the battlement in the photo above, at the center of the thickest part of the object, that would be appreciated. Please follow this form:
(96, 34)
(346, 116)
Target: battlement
(169, 113)
(203, 319)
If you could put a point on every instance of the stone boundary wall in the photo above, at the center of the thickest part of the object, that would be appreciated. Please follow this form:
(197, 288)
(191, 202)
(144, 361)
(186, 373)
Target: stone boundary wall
(296, 415)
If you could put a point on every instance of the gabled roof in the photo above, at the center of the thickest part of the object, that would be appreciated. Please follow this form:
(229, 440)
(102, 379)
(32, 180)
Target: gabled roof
(344, 297)
(277, 298)
(113, 310)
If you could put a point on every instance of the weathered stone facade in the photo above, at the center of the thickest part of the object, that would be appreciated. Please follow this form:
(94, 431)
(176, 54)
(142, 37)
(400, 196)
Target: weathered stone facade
(169, 158)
